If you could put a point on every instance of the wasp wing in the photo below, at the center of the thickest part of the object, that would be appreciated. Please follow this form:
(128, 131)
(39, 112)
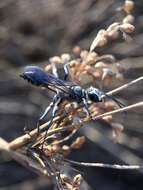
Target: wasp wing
(38, 76)
(54, 82)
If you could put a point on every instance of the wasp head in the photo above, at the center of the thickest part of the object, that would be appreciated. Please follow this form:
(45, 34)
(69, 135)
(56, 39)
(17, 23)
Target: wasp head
(94, 94)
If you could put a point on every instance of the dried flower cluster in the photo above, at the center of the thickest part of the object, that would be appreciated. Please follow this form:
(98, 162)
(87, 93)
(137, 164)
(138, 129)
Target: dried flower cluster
(91, 68)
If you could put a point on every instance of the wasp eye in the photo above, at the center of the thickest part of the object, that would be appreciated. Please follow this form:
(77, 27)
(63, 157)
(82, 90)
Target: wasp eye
(94, 97)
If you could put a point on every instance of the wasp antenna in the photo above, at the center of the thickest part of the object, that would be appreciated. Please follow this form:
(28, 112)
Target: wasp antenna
(120, 104)
(21, 75)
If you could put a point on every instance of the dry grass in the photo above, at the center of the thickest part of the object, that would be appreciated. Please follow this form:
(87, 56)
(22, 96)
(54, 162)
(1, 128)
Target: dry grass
(86, 67)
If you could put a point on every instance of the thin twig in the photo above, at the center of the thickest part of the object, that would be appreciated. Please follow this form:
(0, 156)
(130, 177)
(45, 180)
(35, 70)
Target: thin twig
(116, 90)
(22, 159)
(102, 165)
(136, 105)
(66, 138)
(20, 141)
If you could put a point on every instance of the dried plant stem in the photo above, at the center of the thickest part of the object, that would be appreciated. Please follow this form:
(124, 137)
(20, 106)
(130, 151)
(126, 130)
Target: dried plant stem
(66, 138)
(110, 93)
(20, 141)
(24, 139)
(102, 165)
(136, 105)
(22, 159)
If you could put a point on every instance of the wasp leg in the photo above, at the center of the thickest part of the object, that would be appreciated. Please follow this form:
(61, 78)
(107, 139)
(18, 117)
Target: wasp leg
(27, 131)
(47, 110)
(57, 101)
(66, 71)
(50, 107)
(43, 116)
(85, 107)
(54, 70)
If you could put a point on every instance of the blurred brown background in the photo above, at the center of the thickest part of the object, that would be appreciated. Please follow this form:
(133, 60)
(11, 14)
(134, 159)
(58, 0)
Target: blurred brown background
(31, 31)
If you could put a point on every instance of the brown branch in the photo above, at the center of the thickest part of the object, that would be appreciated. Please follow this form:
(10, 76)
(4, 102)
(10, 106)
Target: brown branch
(66, 138)
(102, 165)
(136, 105)
(24, 139)
(116, 90)
(22, 159)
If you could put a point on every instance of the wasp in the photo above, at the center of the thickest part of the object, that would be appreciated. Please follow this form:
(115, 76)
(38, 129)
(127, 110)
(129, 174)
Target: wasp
(64, 90)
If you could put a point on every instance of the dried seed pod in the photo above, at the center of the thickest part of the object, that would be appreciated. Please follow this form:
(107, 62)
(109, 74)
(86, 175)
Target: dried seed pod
(48, 150)
(85, 78)
(118, 126)
(100, 40)
(97, 74)
(66, 150)
(76, 50)
(113, 26)
(107, 58)
(77, 121)
(109, 105)
(65, 57)
(77, 180)
(100, 64)
(55, 148)
(84, 54)
(78, 142)
(73, 63)
(75, 188)
(108, 73)
(68, 108)
(120, 67)
(119, 76)
(113, 34)
(127, 28)
(128, 6)
(113, 31)
(108, 118)
(94, 110)
(77, 125)
(55, 60)
(116, 132)
(91, 58)
(65, 178)
(51, 149)
(69, 186)
(129, 19)
(48, 67)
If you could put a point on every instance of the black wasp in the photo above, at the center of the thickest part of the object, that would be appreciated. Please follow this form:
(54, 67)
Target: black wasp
(63, 90)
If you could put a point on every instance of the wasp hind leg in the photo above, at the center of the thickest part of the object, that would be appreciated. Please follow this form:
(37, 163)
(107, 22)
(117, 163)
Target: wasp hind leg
(57, 101)
(47, 110)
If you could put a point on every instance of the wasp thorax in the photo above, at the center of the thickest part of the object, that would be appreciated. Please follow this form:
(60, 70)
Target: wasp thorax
(78, 91)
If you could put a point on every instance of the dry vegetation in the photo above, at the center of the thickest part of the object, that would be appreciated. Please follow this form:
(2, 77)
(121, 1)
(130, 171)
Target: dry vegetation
(87, 67)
